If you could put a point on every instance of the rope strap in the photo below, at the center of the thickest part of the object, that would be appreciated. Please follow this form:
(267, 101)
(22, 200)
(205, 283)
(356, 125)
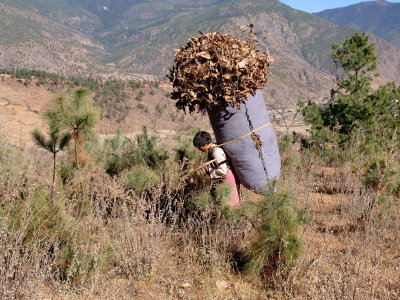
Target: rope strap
(242, 137)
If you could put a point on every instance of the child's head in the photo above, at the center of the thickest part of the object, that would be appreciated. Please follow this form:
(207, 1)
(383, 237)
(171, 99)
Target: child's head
(202, 140)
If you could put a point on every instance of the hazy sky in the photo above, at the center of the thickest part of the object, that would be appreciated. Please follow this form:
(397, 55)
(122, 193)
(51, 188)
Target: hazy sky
(318, 5)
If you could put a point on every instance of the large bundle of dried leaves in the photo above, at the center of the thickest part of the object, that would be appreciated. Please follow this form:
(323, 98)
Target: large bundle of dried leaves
(217, 70)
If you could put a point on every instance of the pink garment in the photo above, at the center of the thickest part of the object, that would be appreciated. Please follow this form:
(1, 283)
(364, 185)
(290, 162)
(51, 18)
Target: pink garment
(233, 182)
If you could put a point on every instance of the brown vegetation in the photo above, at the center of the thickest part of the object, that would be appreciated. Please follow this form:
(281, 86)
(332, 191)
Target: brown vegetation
(119, 245)
(217, 70)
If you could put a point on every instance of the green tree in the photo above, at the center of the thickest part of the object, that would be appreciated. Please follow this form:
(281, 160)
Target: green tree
(76, 114)
(384, 108)
(358, 121)
(277, 242)
(146, 151)
(350, 104)
(56, 143)
(113, 152)
(357, 57)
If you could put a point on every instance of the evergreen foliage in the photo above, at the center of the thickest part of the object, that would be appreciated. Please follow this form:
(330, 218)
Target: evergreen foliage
(185, 151)
(357, 57)
(351, 106)
(202, 199)
(77, 115)
(146, 151)
(358, 115)
(118, 153)
(134, 84)
(56, 143)
(113, 152)
(141, 177)
(278, 242)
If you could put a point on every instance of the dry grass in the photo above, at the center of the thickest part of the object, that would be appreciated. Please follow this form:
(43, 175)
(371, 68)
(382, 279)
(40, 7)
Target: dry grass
(122, 248)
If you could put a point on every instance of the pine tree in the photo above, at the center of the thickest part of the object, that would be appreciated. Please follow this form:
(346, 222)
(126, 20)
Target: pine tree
(77, 115)
(356, 113)
(146, 151)
(349, 107)
(56, 143)
(357, 58)
(277, 243)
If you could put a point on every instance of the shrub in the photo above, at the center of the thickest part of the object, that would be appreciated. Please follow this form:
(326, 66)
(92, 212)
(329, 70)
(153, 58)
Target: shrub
(44, 232)
(134, 84)
(139, 97)
(146, 151)
(202, 200)
(382, 172)
(278, 242)
(113, 152)
(185, 151)
(223, 193)
(140, 178)
(285, 143)
(159, 109)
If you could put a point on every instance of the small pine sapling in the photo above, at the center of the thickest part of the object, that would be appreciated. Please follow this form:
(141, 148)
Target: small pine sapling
(56, 143)
(277, 243)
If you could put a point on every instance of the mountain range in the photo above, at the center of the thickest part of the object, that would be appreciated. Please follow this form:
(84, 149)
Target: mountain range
(379, 17)
(138, 37)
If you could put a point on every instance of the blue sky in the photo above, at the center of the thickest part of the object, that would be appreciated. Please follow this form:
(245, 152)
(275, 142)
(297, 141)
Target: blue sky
(318, 5)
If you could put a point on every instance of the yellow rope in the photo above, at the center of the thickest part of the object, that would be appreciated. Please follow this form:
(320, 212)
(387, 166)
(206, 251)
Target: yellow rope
(242, 137)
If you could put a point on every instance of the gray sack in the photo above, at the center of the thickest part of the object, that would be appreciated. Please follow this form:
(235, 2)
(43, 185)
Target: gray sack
(255, 168)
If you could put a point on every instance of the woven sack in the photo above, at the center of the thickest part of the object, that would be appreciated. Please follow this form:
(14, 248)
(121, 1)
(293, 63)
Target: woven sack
(255, 168)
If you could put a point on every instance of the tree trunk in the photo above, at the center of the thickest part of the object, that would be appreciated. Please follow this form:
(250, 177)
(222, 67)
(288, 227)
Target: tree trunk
(76, 151)
(53, 185)
(82, 192)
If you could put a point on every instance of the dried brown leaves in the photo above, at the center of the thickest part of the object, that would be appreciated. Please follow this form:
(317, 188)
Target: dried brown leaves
(217, 70)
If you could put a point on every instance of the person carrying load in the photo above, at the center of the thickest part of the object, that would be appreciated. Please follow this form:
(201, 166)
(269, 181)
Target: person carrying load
(224, 76)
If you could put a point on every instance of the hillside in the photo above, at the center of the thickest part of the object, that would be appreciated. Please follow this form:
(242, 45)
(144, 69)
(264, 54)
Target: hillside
(30, 40)
(137, 38)
(380, 17)
(127, 105)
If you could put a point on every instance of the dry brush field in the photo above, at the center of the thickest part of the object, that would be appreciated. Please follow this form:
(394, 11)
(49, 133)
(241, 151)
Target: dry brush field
(112, 235)
(121, 247)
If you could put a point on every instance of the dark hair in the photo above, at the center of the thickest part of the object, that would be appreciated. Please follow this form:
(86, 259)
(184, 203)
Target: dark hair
(202, 138)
